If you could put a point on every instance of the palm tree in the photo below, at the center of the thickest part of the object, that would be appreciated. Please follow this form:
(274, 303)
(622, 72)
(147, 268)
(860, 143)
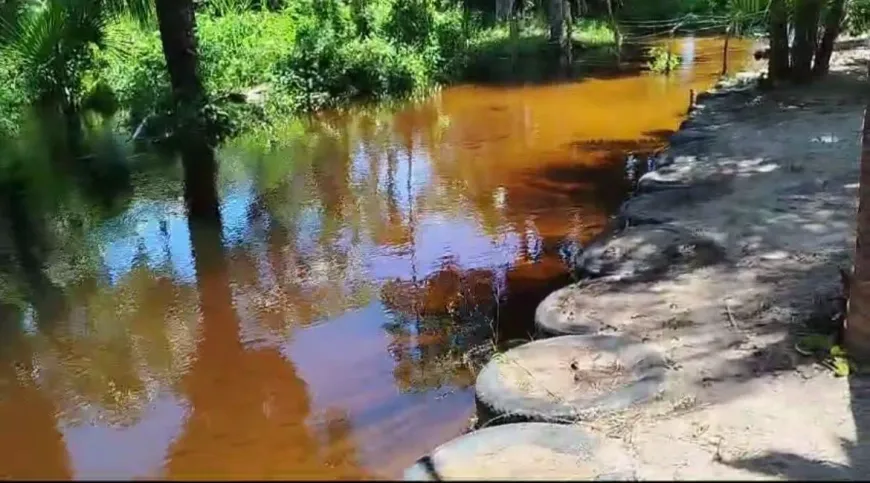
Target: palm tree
(52, 42)
(858, 317)
(177, 23)
(176, 20)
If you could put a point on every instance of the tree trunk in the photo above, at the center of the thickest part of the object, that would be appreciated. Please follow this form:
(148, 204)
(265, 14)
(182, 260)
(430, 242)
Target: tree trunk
(807, 15)
(557, 22)
(725, 51)
(503, 9)
(515, 38)
(568, 44)
(778, 62)
(200, 182)
(616, 33)
(177, 23)
(833, 24)
(857, 334)
(31, 251)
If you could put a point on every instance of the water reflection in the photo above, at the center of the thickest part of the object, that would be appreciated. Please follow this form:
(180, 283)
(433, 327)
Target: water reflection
(317, 323)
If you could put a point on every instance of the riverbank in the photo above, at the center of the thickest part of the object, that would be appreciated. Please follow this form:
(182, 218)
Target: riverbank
(771, 180)
(728, 256)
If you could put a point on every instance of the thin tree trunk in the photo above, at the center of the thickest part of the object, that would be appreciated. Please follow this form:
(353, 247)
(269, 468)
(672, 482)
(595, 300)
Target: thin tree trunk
(616, 33)
(778, 62)
(557, 22)
(833, 24)
(568, 45)
(514, 37)
(807, 15)
(725, 51)
(857, 333)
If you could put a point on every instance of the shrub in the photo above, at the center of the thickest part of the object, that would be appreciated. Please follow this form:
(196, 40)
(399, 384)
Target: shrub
(12, 96)
(238, 51)
(308, 55)
(322, 71)
(133, 67)
(412, 23)
(663, 61)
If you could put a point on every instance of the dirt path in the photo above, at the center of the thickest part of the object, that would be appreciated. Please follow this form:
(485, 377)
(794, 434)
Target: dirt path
(773, 181)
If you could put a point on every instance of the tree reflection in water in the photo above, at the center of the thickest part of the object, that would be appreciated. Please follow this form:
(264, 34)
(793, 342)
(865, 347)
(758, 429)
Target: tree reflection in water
(240, 397)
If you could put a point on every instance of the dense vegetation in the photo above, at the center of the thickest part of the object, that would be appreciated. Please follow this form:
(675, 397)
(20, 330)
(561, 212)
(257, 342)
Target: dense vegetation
(258, 60)
(308, 55)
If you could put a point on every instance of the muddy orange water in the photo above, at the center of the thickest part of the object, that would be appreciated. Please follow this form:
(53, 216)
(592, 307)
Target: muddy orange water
(363, 258)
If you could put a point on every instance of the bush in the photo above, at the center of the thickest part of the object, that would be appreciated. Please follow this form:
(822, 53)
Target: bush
(133, 67)
(858, 17)
(663, 61)
(237, 51)
(308, 55)
(12, 96)
(411, 23)
(323, 71)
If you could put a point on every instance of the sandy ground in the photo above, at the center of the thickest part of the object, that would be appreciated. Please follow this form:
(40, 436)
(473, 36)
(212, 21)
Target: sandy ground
(753, 243)
(778, 174)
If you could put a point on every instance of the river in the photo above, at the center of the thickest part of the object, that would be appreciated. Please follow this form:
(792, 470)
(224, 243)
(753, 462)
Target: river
(364, 255)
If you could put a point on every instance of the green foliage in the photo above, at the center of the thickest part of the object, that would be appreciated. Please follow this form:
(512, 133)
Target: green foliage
(491, 50)
(662, 60)
(220, 8)
(237, 51)
(669, 9)
(839, 361)
(407, 45)
(411, 22)
(309, 55)
(858, 17)
(134, 68)
(829, 354)
(12, 98)
(54, 41)
(746, 15)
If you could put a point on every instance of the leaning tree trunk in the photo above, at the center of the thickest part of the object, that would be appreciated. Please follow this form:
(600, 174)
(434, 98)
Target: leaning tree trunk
(807, 15)
(177, 23)
(778, 63)
(833, 25)
(858, 317)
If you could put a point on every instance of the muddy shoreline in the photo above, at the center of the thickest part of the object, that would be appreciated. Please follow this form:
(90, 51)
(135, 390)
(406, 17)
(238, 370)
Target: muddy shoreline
(722, 259)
